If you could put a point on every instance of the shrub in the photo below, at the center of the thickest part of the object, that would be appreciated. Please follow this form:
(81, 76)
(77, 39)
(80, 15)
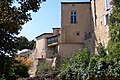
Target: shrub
(86, 66)
(24, 61)
(44, 68)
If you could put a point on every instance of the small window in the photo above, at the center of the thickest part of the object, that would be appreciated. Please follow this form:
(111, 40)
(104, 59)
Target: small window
(107, 5)
(101, 22)
(73, 17)
(52, 39)
(77, 33)
(49, 40)
(42, 56)
(106, 19)
(89, 33)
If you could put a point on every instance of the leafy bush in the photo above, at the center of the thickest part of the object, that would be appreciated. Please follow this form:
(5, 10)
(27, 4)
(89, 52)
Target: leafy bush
(44, 68)
(15, 71)
(75, 67)
(86, 66)
(20, 71)
(24, 61)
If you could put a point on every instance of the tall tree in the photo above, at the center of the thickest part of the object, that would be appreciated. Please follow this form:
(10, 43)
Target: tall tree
(23, 43)
(32, 44)
(12, 17)
(114, 32)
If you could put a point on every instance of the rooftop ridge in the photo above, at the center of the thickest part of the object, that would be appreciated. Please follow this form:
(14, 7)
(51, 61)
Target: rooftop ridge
(75, 2)
(44, 34)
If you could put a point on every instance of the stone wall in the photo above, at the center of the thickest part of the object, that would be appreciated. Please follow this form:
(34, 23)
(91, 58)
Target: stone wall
(68, 50)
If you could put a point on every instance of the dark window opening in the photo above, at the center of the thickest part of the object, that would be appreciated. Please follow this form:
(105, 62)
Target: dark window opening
(73, 17)
(78, 33)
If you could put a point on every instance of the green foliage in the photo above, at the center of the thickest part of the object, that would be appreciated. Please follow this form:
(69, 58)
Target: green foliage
(23, 43)
(2, 78)
(14, 71)
(114, 42)
(32, 44)
(86, 66)
(114, 31)
(75, 68)
(12, 17)
(21, 71)
(44, 68)
(101, 50)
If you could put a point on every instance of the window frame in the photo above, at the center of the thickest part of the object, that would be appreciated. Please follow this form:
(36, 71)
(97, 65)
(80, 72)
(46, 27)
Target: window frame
(73, 17)
(106, 19)
(107, 5)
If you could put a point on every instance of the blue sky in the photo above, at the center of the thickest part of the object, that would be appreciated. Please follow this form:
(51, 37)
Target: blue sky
(48, 17)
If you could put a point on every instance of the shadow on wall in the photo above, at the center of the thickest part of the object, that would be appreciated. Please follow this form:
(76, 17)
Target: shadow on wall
(93, 23)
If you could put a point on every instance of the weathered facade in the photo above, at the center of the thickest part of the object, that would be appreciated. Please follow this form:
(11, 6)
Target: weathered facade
(46, 44)
(100, 14)
(76, 27)
(83, 24)
(41, 45)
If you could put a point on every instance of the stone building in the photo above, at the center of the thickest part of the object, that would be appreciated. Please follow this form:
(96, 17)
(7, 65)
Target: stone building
(46, 44)
(83, 24)
(41, 45)
(75, 33)
(100, 15)
(76, 27)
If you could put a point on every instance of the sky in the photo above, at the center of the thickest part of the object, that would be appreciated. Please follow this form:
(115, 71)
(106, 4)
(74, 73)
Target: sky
(48, 17)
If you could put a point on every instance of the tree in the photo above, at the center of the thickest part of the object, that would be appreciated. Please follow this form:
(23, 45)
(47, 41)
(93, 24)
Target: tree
(12, 17)
(32, 44)
(114, 31)
(23, 43)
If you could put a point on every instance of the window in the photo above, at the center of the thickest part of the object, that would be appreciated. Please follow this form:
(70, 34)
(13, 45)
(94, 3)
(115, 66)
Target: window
(52, 39)
(106, 19)
(49, 41)
(56, 38)
(77, 33)
(73, 17)
(107, 4)
(42, 56)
